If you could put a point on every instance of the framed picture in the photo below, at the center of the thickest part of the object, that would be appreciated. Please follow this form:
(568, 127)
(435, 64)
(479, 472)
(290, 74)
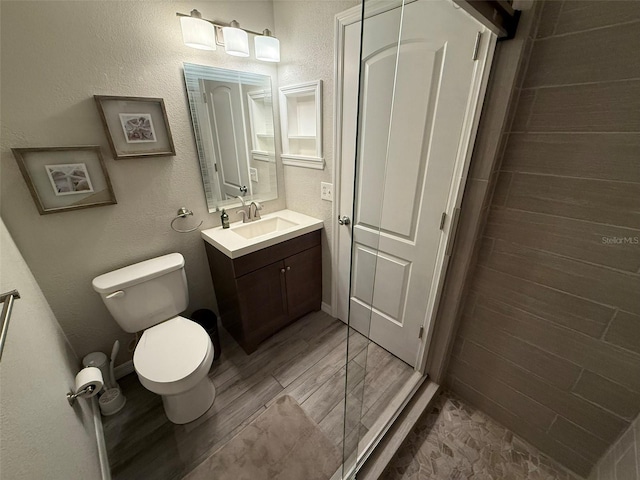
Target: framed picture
(135, 126)
(65, 178)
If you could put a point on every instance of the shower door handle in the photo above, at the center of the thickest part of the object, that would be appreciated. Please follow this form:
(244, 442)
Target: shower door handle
(344, 220)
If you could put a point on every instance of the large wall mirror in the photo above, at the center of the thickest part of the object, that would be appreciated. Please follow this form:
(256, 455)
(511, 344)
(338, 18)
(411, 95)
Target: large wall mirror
(233, 124)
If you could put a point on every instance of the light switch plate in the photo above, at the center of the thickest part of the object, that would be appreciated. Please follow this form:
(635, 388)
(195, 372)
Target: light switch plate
(326, 191)
(253, 172)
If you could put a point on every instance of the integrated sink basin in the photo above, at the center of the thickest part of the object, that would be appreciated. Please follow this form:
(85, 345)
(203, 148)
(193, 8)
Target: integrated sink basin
(243, 238)
(263, 227)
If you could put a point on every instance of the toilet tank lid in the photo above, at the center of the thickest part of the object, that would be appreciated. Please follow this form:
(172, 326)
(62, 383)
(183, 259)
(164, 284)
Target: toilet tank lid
(138, 273)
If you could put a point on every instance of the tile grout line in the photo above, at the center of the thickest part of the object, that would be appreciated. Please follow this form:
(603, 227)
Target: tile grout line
(555, 290)
(577, 260)
(555, 24)
(606, 329)
(567, 257)
(558, 326)
(581, 84)
(624, 452)
(577, 380)
(588, 30)
(596, 435)
(492, 401)
(564, 217)
(575, 132)
(555, 175)
(533, 100)
(635, 443)
(629, 422)
(552, 322)
(555, 419)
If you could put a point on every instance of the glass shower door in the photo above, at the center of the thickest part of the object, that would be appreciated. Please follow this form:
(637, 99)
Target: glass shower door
(418, 84)
(373, 373)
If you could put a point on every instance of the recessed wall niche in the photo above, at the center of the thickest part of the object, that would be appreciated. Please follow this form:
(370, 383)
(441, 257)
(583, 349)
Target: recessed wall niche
(261, 119)
(301, 119)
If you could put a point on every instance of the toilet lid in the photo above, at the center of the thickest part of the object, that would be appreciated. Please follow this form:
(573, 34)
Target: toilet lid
(171, 351)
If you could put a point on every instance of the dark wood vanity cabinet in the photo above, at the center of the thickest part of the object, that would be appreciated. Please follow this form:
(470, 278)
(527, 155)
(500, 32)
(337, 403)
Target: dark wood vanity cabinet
(261, 292)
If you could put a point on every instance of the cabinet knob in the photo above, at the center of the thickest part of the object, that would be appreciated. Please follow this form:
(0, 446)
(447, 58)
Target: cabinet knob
(282, 270)
(288, 268)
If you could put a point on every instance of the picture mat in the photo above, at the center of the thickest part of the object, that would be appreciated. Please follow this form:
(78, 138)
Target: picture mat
(35, 164)
(112, 110)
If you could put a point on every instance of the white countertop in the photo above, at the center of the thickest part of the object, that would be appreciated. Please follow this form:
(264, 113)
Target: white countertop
(234, 245)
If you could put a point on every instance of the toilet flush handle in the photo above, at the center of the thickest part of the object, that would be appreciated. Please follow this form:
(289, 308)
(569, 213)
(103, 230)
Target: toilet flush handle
(117, 294)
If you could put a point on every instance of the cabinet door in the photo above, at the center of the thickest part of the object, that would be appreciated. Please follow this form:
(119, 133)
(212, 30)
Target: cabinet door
(304, 282)
(262, 300)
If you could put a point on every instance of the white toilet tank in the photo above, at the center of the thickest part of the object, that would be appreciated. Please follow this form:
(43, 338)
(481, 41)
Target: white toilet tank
(144, 294)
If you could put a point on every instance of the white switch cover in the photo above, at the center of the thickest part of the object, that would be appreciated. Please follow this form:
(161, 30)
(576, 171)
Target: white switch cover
(326, 191)
(254, 174)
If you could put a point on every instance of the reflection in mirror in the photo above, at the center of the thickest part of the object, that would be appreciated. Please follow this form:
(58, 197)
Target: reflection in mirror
(232, 118)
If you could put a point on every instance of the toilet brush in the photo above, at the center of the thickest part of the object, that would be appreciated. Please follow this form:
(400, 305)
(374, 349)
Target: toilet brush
(112, 401)
(114, 354)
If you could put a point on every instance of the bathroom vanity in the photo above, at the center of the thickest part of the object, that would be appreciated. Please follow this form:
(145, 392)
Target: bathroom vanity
(266, 273)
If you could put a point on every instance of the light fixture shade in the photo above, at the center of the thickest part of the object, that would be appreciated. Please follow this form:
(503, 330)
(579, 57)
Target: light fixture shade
(236, 41)
(198, 33)
(267, 48)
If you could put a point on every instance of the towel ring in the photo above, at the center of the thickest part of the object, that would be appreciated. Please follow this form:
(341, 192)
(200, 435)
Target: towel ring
(184, 212)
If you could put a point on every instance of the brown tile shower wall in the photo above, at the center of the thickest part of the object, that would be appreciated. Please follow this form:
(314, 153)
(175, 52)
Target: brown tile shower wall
(549, 340)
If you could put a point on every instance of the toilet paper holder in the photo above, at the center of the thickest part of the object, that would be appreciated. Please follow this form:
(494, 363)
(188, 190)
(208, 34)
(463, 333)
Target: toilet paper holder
(71, 397)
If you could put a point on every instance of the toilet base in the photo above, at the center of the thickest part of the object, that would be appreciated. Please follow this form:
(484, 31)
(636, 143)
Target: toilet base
(187, 406)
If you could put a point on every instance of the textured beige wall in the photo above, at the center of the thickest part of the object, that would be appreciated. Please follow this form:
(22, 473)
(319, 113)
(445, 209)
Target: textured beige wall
(306, 32)
(38, 369)
(549, 340)
(55, 57)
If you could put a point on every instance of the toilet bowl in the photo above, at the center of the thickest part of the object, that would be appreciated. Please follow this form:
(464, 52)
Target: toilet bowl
(174, 354)
(173, 360)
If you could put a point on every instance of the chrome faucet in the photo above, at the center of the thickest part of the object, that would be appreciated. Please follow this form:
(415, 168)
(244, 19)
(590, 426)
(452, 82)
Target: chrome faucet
(256, 211)
(244, 211)
(251, 212)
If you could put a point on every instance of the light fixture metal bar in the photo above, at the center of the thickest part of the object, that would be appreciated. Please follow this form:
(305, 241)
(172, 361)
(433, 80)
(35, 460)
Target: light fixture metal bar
(219, 25)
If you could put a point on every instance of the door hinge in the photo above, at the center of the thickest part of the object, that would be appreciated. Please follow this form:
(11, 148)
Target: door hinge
(476, 47)
(204, 97)
(215, 166)
(442, 220)
(421, 332)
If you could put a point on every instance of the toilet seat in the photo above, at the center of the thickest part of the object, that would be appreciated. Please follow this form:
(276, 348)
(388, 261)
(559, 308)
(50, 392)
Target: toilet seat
(173, 356)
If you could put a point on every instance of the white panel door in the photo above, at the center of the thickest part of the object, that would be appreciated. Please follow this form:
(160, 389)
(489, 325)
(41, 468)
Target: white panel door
(414, 102)
(225, 110)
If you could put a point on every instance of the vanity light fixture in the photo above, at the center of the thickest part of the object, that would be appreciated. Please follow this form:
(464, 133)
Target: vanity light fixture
(267, 47)
(198, 32)
(236, 40)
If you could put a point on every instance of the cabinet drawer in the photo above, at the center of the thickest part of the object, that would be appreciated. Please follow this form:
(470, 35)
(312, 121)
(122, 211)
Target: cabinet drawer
(253, 261)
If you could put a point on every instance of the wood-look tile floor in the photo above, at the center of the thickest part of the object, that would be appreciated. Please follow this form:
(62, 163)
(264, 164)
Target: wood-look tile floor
(456, 441)
(306, 360)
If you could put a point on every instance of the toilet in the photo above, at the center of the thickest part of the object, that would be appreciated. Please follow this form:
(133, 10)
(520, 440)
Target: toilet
(174, 354)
